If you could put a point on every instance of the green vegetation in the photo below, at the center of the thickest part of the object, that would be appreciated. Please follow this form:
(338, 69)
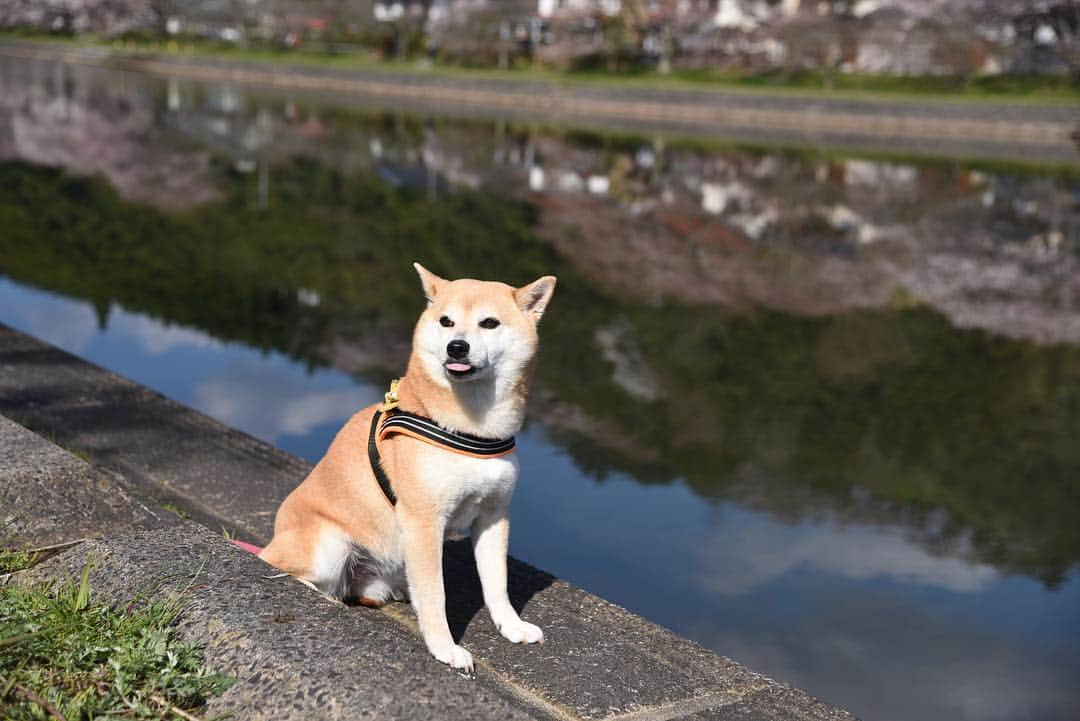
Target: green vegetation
(1001, 88)
(933, 421)
(62, 655)
(11, 561)
(176, 510)
(235, 271)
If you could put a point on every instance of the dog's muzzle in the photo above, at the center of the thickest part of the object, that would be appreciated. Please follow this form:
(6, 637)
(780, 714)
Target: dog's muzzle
(458, 365)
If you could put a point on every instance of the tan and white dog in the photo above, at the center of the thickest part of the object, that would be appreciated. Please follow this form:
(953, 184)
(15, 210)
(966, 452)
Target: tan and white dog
(469, 369)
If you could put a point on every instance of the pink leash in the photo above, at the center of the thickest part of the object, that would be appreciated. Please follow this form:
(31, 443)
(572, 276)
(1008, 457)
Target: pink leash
(249, 547)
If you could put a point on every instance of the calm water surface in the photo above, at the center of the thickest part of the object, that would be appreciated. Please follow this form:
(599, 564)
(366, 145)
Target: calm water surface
(820, 414)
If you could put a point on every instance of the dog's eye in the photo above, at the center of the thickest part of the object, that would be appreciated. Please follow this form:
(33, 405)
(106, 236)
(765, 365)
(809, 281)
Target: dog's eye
(489, 323)
(446, 322)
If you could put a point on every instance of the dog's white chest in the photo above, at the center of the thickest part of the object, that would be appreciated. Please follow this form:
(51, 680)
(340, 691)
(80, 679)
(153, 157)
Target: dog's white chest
(463, 486)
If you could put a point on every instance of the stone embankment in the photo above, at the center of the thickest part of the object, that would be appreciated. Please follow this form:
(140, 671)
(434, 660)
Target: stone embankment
(160, 483)
(1018, 131)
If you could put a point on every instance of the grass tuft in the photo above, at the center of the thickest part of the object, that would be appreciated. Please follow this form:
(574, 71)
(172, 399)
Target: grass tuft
(176, 510)
(12, 561)
(64, 656)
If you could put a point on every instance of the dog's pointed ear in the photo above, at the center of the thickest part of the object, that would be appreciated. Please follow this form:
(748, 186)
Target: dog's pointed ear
(431, 282)
(533, 298)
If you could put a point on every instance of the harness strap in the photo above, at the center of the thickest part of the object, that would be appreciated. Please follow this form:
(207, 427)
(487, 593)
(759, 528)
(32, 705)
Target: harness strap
(426, 430)
(376, 462)
(429, 431)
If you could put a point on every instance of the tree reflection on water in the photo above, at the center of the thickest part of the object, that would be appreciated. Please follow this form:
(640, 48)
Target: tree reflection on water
(888, 415)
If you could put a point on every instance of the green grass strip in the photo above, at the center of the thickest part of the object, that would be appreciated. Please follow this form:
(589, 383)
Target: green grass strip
(1012, 89)
(62, 655)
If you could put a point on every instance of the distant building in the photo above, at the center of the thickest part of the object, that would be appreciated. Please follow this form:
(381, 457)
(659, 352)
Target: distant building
(895, 37)
(104, 17)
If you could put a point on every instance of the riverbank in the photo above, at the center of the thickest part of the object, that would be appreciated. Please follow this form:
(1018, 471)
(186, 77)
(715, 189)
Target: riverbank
(154, 484)
(1010, 131)
(842, 86)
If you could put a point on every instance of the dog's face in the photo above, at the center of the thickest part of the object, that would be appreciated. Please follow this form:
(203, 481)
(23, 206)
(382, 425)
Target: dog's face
(474, 330)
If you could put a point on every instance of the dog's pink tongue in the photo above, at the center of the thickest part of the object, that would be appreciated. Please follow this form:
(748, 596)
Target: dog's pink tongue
(458, 367)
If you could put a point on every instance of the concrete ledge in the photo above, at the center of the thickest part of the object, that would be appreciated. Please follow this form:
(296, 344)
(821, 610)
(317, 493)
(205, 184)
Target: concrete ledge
(48, 496)
(163, 452)
(294, 653)
(300, 654)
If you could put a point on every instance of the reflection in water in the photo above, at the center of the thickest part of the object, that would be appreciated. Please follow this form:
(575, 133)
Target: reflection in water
(266, 394)
(768, 551)
(760, 419)
(238, 396)
(939, 667)
(866, 616)
(791, 231)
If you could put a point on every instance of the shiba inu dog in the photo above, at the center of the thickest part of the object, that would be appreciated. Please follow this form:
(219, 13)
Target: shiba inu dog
(369, 521)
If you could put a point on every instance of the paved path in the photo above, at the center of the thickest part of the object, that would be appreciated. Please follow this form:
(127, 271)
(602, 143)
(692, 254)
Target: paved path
(296, 654)
(1016, 131)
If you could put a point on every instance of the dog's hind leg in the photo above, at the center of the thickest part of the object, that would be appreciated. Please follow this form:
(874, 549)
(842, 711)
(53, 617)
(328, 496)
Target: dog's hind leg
(318, 557)
(375, 593)
(362, 579)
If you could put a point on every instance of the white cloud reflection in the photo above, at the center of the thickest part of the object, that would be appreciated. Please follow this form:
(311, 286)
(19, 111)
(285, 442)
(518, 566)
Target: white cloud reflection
(264, 395)
(873, 649)
(157, 338)
(765, 550)
(270, 401)
(71, 325)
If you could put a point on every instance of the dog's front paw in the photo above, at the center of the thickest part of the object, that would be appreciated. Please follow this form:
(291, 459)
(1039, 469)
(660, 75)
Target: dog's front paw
(456, 657)
(518, 631)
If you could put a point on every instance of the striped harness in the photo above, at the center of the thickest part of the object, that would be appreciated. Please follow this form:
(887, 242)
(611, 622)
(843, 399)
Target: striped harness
(390, 420)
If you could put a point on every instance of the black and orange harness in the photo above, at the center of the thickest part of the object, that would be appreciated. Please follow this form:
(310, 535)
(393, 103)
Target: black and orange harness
(390, 420)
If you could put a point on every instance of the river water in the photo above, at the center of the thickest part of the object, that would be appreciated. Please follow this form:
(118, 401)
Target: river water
(818, 412)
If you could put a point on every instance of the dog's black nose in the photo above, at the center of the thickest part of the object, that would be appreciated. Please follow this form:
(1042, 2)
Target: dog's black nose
(457, 349)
